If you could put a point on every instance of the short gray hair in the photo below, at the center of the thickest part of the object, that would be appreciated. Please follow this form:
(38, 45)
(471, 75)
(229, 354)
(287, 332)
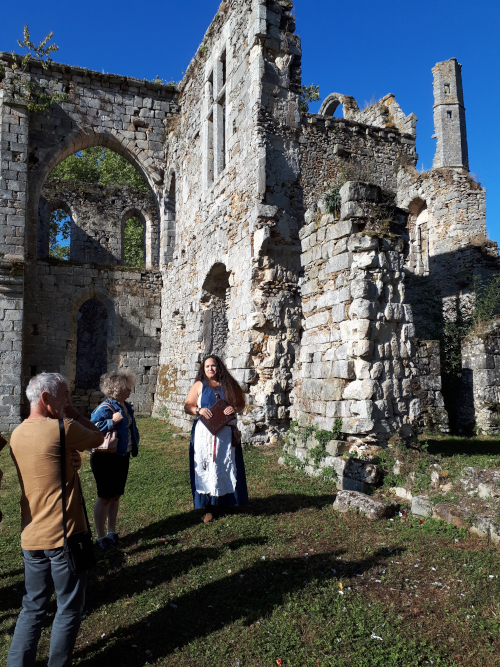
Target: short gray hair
(113, 382)
(49, 382)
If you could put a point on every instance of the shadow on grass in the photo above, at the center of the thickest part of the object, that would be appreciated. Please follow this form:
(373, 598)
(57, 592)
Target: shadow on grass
(264, 586)
(461, 446)
(127, 581)
(269, 506)
(13, 573)
(11, 596)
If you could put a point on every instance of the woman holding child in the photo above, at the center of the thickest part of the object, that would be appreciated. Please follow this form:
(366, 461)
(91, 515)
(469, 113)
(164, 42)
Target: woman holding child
(216, 467)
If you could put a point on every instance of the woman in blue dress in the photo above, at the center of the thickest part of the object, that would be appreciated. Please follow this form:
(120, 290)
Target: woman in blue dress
(216, 466)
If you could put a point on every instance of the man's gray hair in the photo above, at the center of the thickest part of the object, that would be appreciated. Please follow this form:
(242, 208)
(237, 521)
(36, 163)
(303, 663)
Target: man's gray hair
(49, 382)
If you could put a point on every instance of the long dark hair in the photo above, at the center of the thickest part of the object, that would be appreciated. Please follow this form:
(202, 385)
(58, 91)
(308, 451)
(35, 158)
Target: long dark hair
(233, 393)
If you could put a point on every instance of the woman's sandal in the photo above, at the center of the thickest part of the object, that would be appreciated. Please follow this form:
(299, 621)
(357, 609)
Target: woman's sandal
(208, 517)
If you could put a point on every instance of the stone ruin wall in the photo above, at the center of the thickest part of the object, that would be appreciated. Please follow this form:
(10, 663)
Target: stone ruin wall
(126, 115)
(132, 300)
(129, 297)
(212, 219)
(385, 114)
(357, 342)
(13, 145)
(237, 223)
(229, 201)
(427, 387)
(480, 383)
(336, 150)
(98, 216)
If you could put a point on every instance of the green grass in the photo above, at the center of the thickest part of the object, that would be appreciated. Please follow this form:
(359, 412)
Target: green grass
(277, 581)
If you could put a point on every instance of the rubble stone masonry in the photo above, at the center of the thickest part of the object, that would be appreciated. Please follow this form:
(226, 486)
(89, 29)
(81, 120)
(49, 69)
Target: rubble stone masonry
(317, 314)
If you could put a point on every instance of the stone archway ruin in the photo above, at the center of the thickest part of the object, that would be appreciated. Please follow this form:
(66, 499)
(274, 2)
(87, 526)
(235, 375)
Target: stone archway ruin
(238, 177)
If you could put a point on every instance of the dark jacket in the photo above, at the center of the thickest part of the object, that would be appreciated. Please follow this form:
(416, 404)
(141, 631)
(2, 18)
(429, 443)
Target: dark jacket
(102, 418)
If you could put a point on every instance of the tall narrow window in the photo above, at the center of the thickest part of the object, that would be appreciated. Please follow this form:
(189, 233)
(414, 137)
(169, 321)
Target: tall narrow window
(223, 63)
(220, 134)
(446, 88)
(209, 130)
(169, 240)
(448, 114)
(133, 243)
(59, 234)
(210, 148)
(215, 120)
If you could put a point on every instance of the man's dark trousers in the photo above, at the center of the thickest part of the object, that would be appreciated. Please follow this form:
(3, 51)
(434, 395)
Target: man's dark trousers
(45, 571)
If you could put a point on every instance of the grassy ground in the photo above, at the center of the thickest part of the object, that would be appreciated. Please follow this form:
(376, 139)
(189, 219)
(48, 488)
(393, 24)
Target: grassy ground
(287, 581)
(451, 456)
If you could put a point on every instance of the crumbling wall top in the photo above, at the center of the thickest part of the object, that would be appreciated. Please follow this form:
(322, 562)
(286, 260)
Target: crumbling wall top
(386, 113)
(35, 67)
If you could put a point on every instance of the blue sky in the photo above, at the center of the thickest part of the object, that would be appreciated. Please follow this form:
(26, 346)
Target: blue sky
(358, 48)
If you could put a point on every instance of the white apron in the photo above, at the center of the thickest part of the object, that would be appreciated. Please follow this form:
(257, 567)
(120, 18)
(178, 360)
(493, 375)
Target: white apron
(214, 471)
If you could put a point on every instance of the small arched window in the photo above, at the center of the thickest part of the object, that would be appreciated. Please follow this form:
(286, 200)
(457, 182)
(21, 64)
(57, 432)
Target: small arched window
(59, 234)
(134, 243)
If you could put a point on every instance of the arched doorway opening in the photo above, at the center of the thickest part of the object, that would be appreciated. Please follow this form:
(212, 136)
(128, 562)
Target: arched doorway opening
(214, 304)
(91, 351)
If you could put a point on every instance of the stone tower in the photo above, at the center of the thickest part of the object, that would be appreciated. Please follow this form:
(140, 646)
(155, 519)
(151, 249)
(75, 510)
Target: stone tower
(449, 116)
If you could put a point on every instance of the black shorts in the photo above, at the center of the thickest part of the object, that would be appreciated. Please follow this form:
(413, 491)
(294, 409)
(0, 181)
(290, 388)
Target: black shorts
(110, 472)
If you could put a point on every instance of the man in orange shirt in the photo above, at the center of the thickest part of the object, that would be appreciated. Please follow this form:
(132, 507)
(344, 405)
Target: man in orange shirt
(35, 448)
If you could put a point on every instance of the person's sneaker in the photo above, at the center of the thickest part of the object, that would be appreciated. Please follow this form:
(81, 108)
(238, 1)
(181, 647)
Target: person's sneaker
(104, 545)
(114, 538)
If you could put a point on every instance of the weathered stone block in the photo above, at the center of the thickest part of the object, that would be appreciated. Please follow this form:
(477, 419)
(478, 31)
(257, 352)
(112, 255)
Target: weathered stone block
(360, 242)
(339, 230)
(421, 506)
(371, 508)
(361, 309)
(359, 191)
(355, 330)
(357, 425)
(401, 492)
(339, 262)
(317, 320)
(450, 513)
(343, 369)
(360, 348)
(335, 448)
(348, 484)
(360, 390)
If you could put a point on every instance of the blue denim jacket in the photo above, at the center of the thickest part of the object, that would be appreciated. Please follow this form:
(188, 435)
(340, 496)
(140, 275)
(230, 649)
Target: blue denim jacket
(102, 418)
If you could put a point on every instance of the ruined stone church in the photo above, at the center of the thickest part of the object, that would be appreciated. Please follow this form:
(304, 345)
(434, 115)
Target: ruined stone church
(305, 249)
